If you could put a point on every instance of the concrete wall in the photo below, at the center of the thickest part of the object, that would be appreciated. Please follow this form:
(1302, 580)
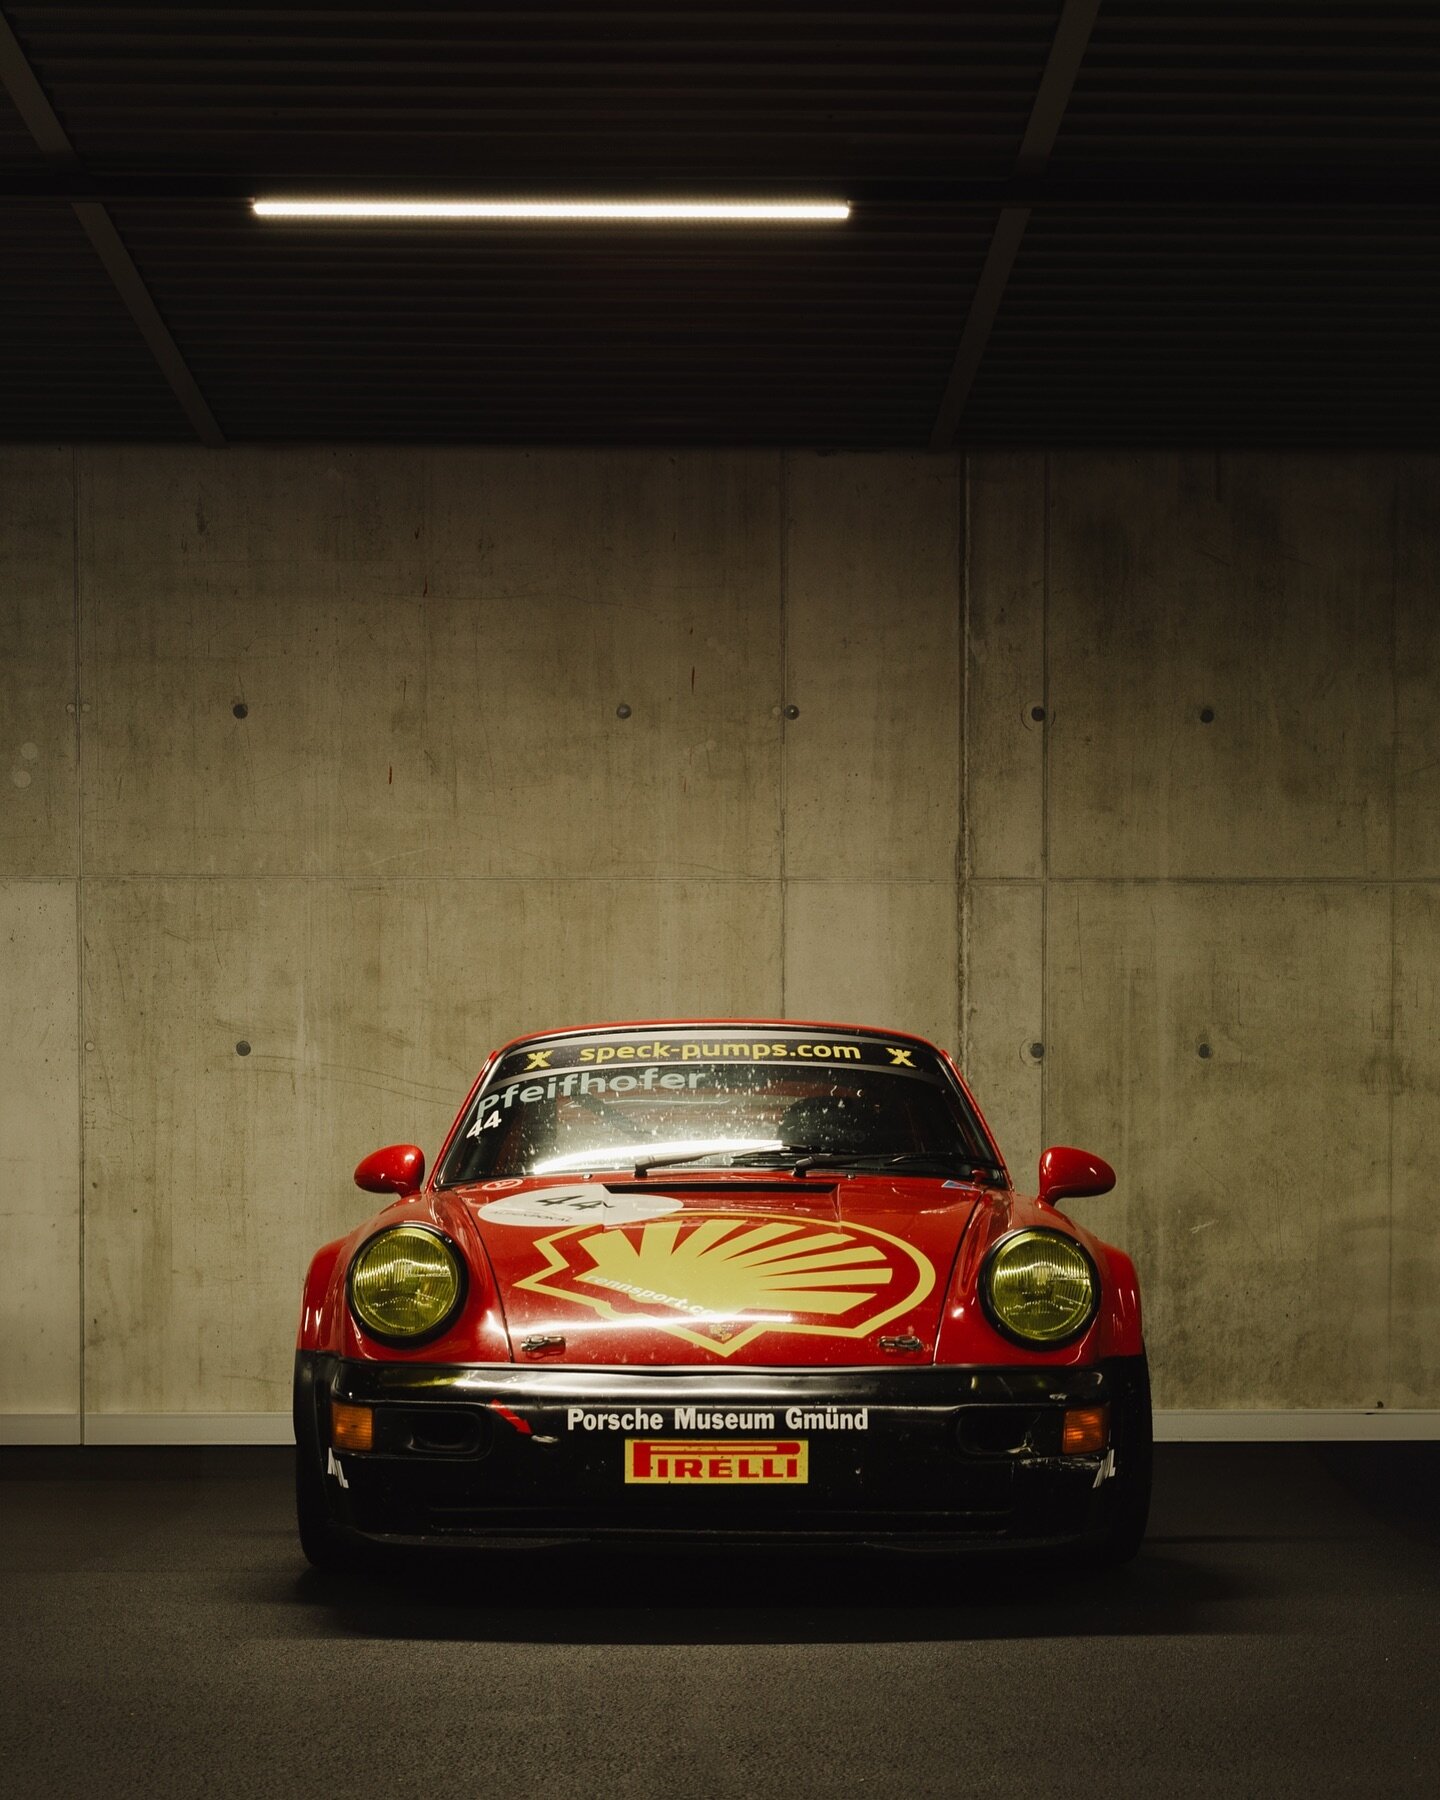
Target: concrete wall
(1207, 950)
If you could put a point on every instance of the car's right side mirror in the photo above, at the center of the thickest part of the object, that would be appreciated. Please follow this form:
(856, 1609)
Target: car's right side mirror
(397, 1169)
(1067, 1174)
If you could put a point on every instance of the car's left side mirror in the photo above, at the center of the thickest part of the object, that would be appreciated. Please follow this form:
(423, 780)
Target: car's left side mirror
(1067, 1174)
(397, 1169)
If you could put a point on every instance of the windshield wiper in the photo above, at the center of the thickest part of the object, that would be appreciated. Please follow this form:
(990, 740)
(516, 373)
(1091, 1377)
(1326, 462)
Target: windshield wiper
(801, 1157)
(643, 1167)
(734, 1159)
(921, 1162)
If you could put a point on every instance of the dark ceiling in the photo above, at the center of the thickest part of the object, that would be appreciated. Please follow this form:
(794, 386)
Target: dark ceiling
(1147, 224)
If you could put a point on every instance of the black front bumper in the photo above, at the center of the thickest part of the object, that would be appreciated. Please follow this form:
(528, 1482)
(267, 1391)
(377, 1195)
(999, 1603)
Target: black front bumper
(916, 1458)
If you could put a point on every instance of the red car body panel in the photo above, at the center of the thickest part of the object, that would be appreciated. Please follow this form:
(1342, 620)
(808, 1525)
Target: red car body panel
(924, 1241)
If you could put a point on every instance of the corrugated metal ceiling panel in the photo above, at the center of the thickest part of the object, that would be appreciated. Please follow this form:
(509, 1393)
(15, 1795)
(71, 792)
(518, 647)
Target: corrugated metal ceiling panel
(72, 364)
(543, 90)
(1259, 83)
(1128, 317)
(1273, 327)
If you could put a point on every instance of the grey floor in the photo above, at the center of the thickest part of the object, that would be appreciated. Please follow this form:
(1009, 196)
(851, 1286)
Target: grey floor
(1279, 1635)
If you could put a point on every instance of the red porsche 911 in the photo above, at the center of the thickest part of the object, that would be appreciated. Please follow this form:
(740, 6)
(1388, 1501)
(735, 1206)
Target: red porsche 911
(752, 1283)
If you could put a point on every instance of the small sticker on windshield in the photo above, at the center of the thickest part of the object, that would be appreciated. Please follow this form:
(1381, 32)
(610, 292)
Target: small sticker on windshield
(587, 1205)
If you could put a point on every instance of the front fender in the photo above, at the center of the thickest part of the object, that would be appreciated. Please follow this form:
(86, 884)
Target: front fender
(966, 1334)
(478, 1333)
(1120, 1324)
(316, 1305)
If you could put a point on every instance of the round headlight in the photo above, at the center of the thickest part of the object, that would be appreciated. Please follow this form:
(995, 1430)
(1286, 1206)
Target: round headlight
(406, 1283)
(1040, 1288)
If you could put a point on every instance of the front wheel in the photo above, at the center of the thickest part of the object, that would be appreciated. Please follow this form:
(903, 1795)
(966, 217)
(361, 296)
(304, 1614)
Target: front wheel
(1125, 1506)
(324, 1545)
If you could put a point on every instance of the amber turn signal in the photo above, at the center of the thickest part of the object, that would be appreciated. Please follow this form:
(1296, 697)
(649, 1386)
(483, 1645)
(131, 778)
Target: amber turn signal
(353, 1427)
(1087, 1431)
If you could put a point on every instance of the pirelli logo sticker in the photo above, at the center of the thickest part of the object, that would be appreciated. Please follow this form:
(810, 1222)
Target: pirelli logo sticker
(731, 1462)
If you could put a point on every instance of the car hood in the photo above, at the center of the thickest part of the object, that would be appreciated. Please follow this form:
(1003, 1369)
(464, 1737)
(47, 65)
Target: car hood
(721, 1270)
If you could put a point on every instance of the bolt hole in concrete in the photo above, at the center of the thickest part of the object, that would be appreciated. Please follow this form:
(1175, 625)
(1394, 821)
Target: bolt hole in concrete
(1037, 1050)
(622, 711)
(240, 710)
(1207, 715)
(1203, 1052)
(792, 712)
(1037, 713)
(242, 1048)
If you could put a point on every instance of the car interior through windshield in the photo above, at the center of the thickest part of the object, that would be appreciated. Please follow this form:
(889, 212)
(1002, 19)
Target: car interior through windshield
(570, 1108)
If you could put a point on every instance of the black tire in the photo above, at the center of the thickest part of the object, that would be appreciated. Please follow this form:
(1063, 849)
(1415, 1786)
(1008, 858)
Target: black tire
(325, 1546)
(1126, 1506)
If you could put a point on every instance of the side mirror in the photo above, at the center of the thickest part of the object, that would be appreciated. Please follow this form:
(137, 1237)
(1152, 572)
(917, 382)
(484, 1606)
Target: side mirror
(398, 1169)
(1069, 1174)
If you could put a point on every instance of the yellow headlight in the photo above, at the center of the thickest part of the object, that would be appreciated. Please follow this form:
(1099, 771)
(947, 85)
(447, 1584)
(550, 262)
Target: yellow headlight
(1041, 1287)
(405, 1282)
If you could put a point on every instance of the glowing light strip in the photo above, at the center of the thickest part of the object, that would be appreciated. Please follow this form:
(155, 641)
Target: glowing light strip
(644, 212)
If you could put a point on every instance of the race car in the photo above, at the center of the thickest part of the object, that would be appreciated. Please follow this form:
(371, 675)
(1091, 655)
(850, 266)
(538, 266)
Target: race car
(709, 1282)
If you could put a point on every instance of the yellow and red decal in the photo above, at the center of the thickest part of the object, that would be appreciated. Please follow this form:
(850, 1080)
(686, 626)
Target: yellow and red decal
(719, 1280)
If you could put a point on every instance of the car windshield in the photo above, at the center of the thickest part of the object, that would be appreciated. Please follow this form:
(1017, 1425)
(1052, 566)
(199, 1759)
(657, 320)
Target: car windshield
(715, 1098)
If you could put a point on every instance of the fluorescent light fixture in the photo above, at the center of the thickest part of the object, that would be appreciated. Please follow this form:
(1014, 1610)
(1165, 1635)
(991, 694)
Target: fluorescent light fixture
(600, 212)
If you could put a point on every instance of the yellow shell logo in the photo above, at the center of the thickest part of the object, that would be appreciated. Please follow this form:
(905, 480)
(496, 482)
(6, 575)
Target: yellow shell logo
(721, 1280)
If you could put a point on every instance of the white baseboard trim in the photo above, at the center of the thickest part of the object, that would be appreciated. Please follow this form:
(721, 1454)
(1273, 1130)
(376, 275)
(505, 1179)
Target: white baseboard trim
(1303, 1426)
(39, 1428)
(1299, 1427)
(189, 1428)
